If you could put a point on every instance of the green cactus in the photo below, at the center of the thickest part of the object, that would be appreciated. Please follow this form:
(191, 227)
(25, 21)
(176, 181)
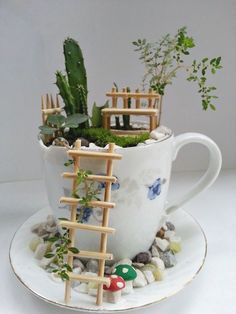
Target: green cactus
(126, 118)
(97, 114)
(73, 87)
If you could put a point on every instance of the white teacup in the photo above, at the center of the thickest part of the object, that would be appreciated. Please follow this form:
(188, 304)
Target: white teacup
(140, 195)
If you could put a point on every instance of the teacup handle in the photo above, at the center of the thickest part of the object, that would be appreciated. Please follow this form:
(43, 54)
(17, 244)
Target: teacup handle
(215, 161)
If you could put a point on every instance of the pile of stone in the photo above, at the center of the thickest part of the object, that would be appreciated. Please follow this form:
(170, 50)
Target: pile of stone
(150, 266)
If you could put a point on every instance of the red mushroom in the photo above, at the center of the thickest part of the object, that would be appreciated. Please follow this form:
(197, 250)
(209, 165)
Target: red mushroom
(113, 291)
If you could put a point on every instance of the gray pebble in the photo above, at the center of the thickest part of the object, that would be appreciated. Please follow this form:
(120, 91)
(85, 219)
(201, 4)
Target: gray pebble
(51, 221)
(143, 257)
(84, 142)
(77, 263)
(170, 226)
(92, 266)
(168, 258)
(40, 251)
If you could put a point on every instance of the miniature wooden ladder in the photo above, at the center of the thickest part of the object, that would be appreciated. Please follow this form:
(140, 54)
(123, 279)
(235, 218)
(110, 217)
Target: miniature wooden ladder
(72, 224)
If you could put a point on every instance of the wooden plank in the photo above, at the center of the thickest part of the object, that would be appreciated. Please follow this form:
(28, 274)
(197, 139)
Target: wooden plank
(133, 95)
(85, 278)
(77, 225)
(75, 201)
(91, 177)
(51, 110)
(105, 221)
(92, 154)
(94, 255)
(115, 111)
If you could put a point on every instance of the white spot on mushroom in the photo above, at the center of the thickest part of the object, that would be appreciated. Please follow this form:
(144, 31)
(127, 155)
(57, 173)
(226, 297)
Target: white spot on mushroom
(125, 270)
(120, 285)
(114, 276)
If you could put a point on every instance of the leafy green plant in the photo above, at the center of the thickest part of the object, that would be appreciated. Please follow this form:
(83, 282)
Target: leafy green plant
(165, 58)
(58, 125)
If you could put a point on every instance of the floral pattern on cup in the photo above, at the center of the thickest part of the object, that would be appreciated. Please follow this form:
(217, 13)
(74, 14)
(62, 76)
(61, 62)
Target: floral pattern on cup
(114, 186)
(154, 190)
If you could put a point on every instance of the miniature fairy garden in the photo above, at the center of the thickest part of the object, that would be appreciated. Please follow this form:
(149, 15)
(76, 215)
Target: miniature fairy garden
(97, 136)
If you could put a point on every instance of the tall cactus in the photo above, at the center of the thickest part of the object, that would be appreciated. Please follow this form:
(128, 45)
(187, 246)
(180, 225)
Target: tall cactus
(73, 87)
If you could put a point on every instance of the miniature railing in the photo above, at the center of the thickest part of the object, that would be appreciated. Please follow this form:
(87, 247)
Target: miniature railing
(152, 110)
(104, 229)
(49, 106)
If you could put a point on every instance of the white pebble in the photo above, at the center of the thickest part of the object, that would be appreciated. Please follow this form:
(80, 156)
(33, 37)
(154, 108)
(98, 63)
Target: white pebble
(55, 278)
(155, 252)
(156, 135)
(156, 261)
(140, 280)
(149, 276)
(35, 242)
(78, 263)
(82, 288)
(169, 234)
(163, 244)
(150, 141)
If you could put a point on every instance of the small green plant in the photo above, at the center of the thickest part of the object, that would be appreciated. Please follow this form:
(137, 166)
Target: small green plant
(59, 125)
(62, 247)
(165, 58)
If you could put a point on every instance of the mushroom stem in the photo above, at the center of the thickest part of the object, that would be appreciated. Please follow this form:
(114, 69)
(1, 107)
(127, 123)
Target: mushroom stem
(128, 287)
(113, 296)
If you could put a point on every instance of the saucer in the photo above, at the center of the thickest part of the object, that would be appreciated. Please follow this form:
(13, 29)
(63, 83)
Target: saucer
(189, 263)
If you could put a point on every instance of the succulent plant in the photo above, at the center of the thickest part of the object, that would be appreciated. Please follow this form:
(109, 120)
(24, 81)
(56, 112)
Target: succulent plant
(73, 85)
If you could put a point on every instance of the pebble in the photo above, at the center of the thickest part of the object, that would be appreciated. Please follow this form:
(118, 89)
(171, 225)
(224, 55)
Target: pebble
(155, 251)
(55, 278)
(78, 263)
(169, 234)
(150, 141)
(161, 233)
(159, 274)
(78, 271)
(170, 226)
(140, 280)
(143, 257)
(150, 267)
(60, 141)
(51, 221)
(162, 244)
(137, 265)
(163, 129)
(175, 247)
(149, 276)
(93, 146)
(84, 142)
(156, 135)
(46, 261)
(40, 251)
(156, 261)
(168, 258)
(34, 243)
(82, 288)
(92, 266)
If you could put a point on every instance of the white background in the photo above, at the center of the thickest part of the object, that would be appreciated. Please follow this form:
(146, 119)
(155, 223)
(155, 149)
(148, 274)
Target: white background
(31, 36)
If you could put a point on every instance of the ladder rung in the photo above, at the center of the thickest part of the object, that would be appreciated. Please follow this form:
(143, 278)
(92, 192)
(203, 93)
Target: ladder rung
(77, 225)
(74, 201)
(84, 278)
(95, 255)
(91, 177)
(92, 154)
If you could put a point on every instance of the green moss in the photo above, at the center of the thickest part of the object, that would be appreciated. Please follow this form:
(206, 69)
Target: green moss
(102, 137)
